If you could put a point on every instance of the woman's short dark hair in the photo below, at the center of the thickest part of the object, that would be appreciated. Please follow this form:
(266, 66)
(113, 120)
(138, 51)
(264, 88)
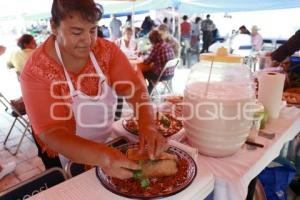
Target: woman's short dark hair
(24, 39)
(185, 17)
(155, 37)
(88, 10)
(163, 27)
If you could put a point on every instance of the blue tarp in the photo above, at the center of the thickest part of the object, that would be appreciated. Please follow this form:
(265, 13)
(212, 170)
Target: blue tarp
(42, 7)
(111, 7)
(209, 6)
(199, 6)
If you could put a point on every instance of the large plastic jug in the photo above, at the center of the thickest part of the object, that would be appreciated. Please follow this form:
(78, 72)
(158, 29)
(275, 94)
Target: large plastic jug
(217, 98)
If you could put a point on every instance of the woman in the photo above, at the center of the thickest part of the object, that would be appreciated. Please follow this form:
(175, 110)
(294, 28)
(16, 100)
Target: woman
(160, 54)
(195, 33)
(18, 59)
(69, 88)
(256, 39)
(127, 43)
(168, 38)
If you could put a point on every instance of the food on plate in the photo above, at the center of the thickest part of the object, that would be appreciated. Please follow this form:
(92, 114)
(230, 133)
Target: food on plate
(164, 165)
(174, 99)
(169, 172)
(177, 104)
(166, 124)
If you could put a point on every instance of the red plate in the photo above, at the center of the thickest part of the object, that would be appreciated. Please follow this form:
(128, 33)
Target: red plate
(177, 125)
(159, 187)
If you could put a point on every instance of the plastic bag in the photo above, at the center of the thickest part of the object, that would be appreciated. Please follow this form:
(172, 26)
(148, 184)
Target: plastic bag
(276, 178)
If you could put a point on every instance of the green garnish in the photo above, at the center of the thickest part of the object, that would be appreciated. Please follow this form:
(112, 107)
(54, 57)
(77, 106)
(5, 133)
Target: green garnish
(165, 121)
(145, 183)
(137, 174)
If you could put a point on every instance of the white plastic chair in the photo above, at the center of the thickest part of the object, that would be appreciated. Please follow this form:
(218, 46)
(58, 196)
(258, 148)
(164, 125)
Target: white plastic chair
(166, 83)
(243, 51)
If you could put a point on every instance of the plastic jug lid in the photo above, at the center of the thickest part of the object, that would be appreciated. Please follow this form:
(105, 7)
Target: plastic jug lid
(221, 56)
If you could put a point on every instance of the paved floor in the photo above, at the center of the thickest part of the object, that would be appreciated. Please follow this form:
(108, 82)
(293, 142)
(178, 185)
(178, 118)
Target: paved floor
(28, 164)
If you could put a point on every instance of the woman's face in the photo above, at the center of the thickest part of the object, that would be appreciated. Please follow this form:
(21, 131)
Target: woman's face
(128, 35)
(75, 35)
(31, 45)
(163, 34)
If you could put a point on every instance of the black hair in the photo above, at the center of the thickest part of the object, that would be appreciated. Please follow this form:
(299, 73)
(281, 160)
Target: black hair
(24, 39)
(88, 10)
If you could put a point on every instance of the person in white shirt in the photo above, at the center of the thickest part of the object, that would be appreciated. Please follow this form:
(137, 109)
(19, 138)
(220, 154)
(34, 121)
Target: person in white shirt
(115, 28)
(127, 43)
(257, 40)
(242, 39)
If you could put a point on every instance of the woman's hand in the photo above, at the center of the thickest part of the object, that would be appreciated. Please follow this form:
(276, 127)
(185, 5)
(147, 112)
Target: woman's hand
(155, 143)
(117, 165)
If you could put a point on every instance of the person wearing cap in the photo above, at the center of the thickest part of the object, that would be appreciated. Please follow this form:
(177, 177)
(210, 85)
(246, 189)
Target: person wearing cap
(70, 87)
(256, 38)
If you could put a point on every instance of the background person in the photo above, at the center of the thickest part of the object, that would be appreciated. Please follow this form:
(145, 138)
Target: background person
(279, 57)
(18, 58)
(115, 28)
(147, 25)
(127, 43)
(168, 38)
(256, 39)
(195, 33)
(160, 54)
(207, 28)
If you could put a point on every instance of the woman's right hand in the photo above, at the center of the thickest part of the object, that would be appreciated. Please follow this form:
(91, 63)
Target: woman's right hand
(117, 165)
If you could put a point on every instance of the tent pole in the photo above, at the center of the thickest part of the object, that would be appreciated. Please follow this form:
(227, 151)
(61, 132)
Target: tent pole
(132, 18)
(173, 23)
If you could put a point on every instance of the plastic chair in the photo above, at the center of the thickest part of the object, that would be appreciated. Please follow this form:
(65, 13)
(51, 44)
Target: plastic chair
(167, 83)
(20, 117)
(39, 183)
(278, 43)
(268, 45)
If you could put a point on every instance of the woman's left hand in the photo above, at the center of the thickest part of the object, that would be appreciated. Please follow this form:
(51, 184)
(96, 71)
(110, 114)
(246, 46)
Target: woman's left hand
(154, 141)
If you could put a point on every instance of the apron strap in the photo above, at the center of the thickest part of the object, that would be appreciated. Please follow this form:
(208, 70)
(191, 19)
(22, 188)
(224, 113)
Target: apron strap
(69, 81)
(70, 84)
(97, 67)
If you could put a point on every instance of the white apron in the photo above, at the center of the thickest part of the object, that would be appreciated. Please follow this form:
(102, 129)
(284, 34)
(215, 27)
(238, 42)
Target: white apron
(93, 115)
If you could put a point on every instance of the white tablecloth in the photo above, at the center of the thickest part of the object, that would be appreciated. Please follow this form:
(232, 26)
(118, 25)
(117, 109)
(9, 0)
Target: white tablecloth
(233, 174)
(230, 175)
(87, 186)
